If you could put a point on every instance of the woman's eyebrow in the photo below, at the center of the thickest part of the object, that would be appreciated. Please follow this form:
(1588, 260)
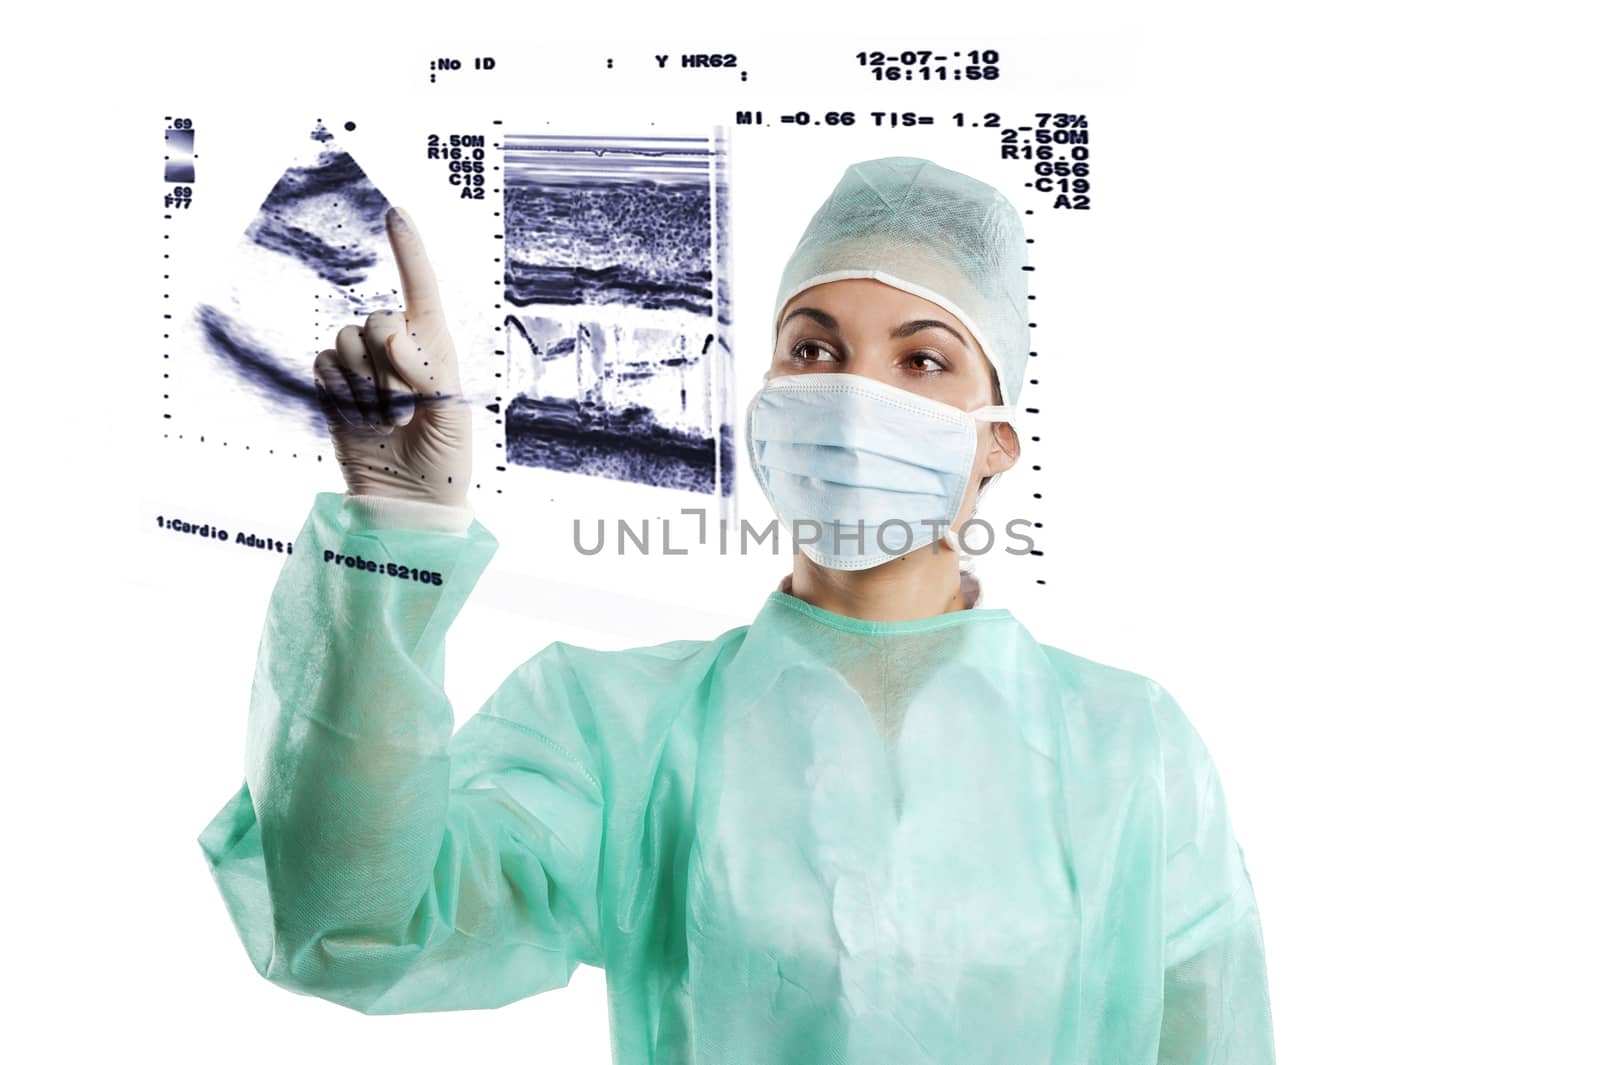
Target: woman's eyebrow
(822, 318)
(907, 328)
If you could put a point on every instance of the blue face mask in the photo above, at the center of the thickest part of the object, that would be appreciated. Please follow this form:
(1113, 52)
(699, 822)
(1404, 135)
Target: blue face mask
(860, 471)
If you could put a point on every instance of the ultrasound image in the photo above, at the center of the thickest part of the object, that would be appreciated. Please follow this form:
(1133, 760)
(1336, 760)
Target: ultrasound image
(618, 353)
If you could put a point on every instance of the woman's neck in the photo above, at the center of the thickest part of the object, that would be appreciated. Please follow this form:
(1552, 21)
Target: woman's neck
(921, 584)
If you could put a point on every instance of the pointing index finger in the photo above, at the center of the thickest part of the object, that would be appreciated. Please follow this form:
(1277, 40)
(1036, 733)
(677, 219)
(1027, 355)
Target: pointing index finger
(417, 283)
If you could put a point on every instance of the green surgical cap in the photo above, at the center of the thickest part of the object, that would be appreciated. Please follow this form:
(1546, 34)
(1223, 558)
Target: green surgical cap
(934, 233)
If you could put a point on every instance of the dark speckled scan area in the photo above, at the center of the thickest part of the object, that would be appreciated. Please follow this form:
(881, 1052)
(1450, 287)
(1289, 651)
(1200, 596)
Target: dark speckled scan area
(617, 336)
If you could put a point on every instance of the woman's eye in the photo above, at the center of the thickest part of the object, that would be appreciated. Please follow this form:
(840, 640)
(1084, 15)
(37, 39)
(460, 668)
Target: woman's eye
(822, 353)
(925, 362)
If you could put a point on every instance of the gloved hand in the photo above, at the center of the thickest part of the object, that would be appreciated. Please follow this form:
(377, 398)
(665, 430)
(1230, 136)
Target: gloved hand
(391, 391)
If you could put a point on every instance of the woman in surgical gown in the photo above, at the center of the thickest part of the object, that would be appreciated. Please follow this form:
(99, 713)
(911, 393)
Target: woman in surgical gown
(879, 825)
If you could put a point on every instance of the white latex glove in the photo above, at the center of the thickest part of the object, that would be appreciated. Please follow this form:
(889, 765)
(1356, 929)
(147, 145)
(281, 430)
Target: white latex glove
(391, 392)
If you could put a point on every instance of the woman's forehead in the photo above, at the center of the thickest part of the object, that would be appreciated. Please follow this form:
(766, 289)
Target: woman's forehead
(859, 303)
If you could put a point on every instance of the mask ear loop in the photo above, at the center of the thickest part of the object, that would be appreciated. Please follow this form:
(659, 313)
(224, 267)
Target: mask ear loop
(994, 413)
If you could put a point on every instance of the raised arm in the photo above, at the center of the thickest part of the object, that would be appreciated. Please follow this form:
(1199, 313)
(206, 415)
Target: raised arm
(371, 857)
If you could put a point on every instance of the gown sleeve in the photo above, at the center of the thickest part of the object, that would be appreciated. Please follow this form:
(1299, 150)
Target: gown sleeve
(1216, 1009)
(370, 857)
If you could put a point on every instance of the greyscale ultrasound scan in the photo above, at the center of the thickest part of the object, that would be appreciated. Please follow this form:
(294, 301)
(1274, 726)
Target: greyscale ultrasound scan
(604, 237)
(607, 263)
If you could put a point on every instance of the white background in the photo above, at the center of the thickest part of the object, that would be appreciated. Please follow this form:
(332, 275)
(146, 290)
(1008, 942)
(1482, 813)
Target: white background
(1331, 449)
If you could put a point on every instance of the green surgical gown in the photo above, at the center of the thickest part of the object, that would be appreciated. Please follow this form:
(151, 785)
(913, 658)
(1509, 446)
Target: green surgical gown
(813, 839)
